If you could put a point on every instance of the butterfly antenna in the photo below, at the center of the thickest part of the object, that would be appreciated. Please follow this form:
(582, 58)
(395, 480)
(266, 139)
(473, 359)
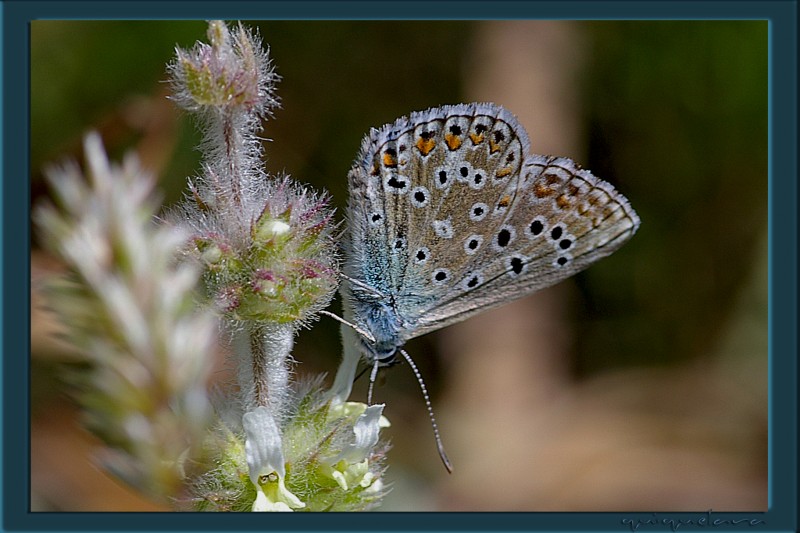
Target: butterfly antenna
(372, 377)
(354, 281)
(439, 444)
(364, 333)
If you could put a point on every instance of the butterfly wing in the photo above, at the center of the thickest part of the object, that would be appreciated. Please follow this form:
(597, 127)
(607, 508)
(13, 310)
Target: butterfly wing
(561, 220)
(445, 206)
(400, 182)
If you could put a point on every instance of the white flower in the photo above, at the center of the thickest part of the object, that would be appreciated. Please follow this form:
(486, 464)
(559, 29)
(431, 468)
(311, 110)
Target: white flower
(350, 474)
(273, 496)
(264, 452)
(351, 466)
(366, 431)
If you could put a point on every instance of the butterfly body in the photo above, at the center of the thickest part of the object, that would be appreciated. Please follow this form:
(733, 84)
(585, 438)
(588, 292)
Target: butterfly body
(450, 215)
(380, 319)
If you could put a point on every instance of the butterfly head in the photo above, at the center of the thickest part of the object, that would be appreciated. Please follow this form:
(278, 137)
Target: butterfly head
(385, 354)
(376, 322)
(382, 348)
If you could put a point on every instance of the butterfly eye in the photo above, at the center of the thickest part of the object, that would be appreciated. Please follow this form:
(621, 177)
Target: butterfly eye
(385, 355)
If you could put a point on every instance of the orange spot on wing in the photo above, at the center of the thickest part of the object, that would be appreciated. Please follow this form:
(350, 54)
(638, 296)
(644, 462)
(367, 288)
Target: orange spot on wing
(476, 138)
(389, 160)
(541, 190)
(503, 172)
(425, 145)
(453, 141)
(505, 201)
(493, 147)
(562, 201)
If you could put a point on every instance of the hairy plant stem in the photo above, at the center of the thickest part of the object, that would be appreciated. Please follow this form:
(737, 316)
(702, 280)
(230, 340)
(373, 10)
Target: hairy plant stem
(264, 352)
(233, 147)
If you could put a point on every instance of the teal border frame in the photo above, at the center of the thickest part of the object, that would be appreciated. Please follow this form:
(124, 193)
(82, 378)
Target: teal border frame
(15, 16)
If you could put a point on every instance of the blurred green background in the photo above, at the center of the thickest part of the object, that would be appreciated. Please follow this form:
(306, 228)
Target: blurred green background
(673, 114)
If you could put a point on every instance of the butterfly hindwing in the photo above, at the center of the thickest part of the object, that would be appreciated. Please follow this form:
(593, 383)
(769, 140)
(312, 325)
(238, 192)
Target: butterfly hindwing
(562, 220)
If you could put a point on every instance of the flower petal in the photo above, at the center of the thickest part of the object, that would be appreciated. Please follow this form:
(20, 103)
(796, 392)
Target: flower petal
(264, 452)
(263, 445)
(366, 432)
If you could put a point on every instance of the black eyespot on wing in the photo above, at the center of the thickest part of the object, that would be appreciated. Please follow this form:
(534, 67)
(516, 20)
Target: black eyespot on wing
(503, 238)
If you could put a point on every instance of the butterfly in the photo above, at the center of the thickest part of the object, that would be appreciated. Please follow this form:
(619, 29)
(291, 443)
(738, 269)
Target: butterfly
(449, 214)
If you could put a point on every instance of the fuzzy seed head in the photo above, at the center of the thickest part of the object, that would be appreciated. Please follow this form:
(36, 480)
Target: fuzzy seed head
(230, 74)
(279, 264)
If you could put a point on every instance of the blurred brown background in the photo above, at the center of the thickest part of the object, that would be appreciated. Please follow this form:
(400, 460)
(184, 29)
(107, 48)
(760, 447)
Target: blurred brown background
(639, 385)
